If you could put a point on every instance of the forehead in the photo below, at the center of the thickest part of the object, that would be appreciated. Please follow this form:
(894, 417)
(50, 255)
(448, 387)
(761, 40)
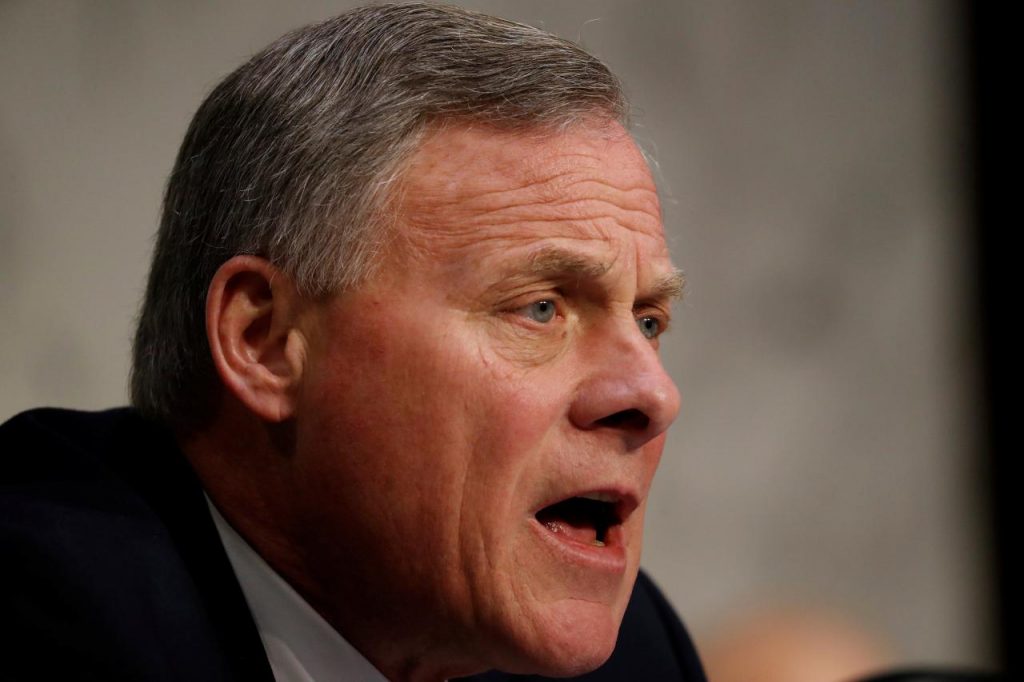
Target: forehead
(467, 185)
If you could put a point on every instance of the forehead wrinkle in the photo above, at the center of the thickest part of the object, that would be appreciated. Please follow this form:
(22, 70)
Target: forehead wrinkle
(553, 176)
(569, 208)
(579, 222)
(467, 191)
(492, 201)
(554, 191)
(464, 219)
(531, 187)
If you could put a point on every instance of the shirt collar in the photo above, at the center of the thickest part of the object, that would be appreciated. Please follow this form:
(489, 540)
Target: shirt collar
(301, 646)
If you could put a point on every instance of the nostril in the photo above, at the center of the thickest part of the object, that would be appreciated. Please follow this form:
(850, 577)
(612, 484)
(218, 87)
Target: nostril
(632, 419)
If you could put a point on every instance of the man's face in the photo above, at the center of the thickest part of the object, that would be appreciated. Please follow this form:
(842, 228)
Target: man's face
(479, 424)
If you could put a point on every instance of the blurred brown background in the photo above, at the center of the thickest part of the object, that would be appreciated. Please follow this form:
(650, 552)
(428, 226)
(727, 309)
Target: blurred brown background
(811, 158)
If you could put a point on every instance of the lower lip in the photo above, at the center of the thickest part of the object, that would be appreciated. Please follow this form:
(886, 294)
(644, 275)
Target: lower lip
(609, 559)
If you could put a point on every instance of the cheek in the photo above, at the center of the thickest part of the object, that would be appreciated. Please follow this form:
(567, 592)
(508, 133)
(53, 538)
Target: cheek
(371, 409)
(429, 416)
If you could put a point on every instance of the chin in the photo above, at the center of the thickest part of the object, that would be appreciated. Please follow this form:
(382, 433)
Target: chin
(573, 641)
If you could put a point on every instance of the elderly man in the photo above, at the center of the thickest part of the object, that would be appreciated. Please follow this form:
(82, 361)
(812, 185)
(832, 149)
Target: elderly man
(397, 399)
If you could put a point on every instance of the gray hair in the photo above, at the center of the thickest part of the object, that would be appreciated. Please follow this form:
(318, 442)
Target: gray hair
(291, 156)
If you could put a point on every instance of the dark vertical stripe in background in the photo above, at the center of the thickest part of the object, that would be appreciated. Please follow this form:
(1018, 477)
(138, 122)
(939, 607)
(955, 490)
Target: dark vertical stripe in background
(994, 43)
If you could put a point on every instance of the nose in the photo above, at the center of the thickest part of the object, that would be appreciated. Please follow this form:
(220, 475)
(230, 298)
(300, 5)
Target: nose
(626, 392)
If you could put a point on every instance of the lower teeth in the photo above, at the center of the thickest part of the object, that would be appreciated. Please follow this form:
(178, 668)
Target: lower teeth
(597, 543)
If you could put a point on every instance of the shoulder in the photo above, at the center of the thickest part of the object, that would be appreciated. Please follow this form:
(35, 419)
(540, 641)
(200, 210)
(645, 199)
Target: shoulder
(111, 563)
(654, 635)
(51, 445)
(66, 474)
(60, 469)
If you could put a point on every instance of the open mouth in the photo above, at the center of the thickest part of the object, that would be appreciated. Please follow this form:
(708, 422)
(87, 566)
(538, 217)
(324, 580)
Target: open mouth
(586, 519)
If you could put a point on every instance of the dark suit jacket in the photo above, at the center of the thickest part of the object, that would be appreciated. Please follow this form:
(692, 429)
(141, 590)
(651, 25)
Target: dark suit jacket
(111, 567)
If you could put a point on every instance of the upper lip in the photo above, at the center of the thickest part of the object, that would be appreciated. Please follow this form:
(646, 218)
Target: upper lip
(624, 499)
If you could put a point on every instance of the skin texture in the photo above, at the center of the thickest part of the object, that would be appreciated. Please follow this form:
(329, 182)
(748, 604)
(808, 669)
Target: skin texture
(386, 449)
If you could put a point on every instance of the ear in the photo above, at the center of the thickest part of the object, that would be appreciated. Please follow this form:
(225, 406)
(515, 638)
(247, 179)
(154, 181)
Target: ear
(252, 312)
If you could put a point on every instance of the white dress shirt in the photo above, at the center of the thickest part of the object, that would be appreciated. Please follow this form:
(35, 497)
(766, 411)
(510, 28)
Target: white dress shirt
(301, 646)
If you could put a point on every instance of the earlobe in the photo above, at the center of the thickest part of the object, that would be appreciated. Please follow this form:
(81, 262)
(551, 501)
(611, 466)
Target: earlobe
(251, 317)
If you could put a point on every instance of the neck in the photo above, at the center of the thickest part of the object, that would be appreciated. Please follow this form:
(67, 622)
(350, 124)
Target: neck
(250, 478)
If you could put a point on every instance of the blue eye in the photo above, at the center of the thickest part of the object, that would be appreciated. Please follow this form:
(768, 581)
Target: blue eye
(650, 327)
(540, 311)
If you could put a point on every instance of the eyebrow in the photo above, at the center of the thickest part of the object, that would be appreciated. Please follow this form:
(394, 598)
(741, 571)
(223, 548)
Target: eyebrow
(553, 261)
(671, 287)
